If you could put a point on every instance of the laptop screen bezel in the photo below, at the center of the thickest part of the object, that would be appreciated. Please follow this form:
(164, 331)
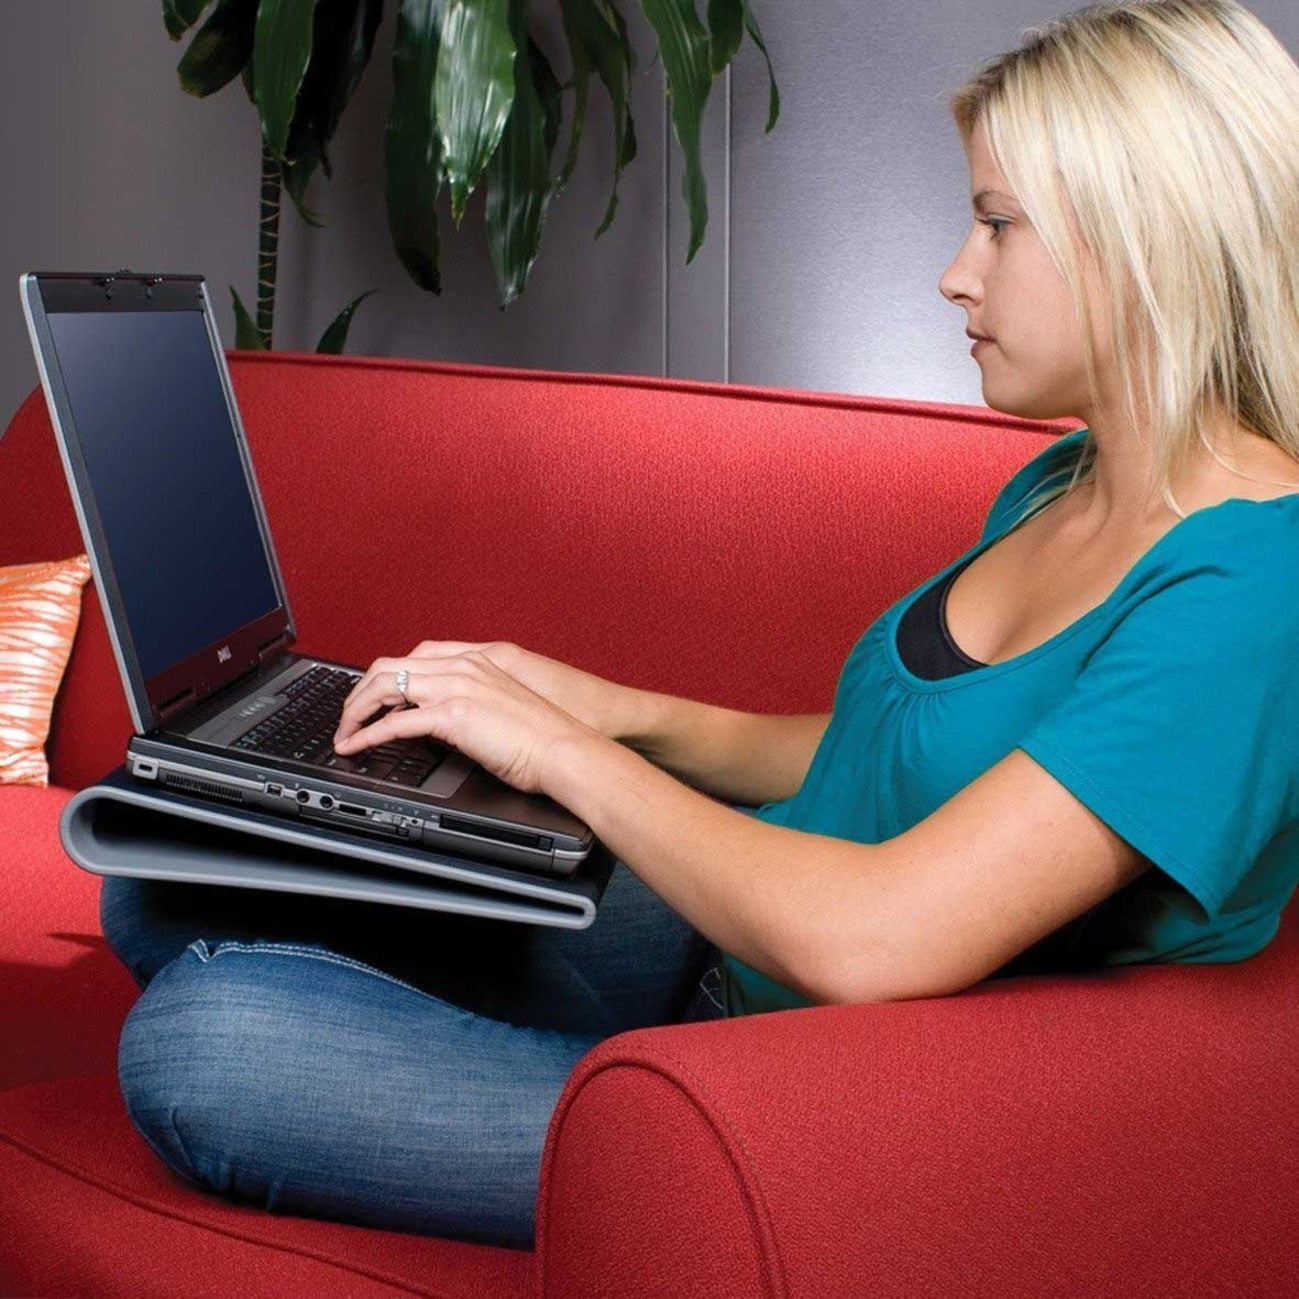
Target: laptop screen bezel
(202, 674)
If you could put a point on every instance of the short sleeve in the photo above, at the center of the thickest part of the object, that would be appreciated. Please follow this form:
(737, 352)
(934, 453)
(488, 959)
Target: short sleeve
(1181, 731)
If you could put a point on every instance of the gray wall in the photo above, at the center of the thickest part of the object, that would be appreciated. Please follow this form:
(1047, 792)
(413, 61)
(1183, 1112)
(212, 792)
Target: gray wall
(823, 254)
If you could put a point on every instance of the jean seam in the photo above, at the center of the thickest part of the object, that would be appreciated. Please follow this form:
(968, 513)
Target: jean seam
(329, 958)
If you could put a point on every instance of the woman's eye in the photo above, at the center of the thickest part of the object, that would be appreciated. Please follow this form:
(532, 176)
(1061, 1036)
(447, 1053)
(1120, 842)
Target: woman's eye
(995, 224)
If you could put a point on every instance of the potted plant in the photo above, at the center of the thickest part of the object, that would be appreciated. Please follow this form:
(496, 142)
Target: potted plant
(474, 96)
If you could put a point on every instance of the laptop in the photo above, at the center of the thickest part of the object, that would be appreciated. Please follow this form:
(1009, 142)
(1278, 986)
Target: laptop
(161, 477)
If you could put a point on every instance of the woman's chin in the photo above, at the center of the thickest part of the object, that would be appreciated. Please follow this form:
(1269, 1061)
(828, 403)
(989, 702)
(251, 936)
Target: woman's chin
(1020, 404)
(1005, 402)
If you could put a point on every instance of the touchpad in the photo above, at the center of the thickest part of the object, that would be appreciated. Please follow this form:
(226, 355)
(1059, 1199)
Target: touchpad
(447, 776)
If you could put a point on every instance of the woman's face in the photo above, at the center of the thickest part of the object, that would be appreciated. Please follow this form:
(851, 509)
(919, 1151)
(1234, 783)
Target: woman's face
(1030, 341)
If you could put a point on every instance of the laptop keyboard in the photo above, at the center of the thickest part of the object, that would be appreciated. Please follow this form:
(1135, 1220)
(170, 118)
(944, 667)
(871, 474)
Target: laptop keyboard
(303, 730)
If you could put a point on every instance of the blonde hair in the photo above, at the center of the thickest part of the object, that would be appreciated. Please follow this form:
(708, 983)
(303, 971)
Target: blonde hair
(1160, 140)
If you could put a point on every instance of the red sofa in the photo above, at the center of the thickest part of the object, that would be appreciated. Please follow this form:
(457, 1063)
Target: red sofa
(1132, 1132)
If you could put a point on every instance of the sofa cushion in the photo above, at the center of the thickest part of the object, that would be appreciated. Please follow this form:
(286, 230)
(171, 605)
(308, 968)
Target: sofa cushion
(63, 995)
(124, 1226)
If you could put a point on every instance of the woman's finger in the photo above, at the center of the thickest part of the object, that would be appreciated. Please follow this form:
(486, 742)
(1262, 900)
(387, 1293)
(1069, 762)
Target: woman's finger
(378, 691)
(405, 723)
(366, 677)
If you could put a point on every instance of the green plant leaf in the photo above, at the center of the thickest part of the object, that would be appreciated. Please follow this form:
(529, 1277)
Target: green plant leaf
(519, 185)
(686, 51)
(334, 339)
(629, 127)
(726, 30)
(412, 143)
(581, 96)
(247, 335)
(181, 15)
(353, 57)
(598, 39)
(220, 49)
(773, 97)
(281, 53)
(473, 91)
(296, 176)
(342, 40)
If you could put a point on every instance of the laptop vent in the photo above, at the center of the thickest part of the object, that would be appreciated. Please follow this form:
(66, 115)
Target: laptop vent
(206, 788)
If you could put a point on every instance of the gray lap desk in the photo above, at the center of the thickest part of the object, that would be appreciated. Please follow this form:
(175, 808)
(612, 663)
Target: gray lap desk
(122, 826)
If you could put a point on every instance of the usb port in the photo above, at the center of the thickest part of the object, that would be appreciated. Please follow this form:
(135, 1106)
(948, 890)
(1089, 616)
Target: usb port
(352, 810)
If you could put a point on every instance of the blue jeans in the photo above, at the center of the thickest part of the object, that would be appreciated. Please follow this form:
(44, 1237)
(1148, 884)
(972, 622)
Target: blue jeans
(380, 1065)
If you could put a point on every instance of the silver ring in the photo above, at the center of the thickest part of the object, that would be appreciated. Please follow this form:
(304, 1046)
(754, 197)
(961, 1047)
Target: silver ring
(403, 680)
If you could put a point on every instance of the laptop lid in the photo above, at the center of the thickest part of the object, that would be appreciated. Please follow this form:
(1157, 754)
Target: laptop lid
(158, 465)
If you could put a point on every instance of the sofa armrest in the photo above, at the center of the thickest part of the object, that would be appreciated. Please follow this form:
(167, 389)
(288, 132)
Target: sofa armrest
(1130, 1132)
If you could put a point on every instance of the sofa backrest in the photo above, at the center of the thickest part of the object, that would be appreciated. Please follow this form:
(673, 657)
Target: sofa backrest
(724, 542)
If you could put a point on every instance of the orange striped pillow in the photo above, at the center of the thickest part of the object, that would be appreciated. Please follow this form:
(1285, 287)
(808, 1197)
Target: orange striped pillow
(40, 605)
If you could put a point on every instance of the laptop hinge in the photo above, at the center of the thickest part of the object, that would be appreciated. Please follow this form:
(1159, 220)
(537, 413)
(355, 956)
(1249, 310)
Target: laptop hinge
(170, 707)
(272, 646)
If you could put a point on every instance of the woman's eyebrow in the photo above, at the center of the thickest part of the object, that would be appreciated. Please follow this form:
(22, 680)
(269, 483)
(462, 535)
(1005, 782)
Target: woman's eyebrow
(984, 196)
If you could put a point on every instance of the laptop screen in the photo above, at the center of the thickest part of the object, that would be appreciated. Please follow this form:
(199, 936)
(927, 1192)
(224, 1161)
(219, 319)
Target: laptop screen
(166, 476)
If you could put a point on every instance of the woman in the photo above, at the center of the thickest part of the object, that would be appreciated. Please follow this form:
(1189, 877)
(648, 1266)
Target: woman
(1091, 761)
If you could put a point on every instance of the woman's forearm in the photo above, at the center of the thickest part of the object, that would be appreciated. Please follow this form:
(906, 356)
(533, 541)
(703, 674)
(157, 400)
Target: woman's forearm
(743, 758)
(774, 898)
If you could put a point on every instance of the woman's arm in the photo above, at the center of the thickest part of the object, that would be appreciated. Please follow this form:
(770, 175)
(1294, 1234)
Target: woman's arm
(1004, 862)
(739, 757)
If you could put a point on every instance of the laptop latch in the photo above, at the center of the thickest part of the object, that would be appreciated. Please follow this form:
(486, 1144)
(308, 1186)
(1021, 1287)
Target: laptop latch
(170, 707)
(272, 646)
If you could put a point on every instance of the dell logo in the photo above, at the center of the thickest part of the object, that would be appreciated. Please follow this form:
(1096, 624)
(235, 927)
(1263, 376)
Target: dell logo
(223, 654)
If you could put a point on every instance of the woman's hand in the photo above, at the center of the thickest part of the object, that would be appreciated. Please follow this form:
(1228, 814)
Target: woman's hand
(462, 695)
(600, 704)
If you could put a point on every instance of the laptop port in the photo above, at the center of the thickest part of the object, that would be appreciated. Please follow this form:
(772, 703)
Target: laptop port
(351, 809)
(304, 796)
(326, 801)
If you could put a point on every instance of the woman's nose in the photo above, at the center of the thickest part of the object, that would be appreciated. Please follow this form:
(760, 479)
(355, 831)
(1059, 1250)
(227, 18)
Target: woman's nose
(959, 283)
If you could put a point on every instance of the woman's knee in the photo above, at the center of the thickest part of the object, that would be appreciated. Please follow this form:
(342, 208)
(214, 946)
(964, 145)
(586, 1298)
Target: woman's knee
(308, 1083)
(197, 1065)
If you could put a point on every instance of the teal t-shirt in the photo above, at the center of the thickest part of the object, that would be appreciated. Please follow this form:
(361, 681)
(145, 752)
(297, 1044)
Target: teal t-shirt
(1171, 710)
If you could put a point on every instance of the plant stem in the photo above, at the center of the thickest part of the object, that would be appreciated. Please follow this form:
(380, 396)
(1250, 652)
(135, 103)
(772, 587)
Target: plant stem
(268, 244)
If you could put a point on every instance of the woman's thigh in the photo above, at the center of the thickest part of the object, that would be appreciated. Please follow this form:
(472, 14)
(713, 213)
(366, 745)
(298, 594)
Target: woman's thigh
(306, 1082)
(637, 965)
